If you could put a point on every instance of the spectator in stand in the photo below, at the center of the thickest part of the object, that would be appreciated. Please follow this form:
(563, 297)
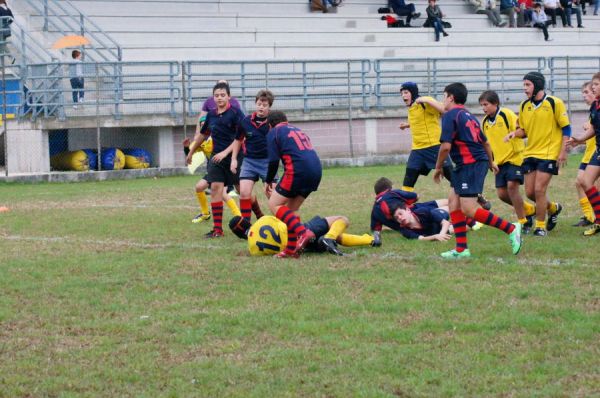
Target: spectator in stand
(508, 8)
(493, 14)
(596, 5)
(402, 9)
(553, 7)
(540, 20)
(570, 7)
(525, 11)
(7, 18)
(434, 18)
(77, 81)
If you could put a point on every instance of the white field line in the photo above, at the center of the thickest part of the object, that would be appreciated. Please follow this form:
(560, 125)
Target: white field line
(101, 242)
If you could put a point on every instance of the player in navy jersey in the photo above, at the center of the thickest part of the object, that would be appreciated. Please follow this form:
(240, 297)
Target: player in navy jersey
(471, 154)
(592, 171)
(254, 129)
(222, 125)
(423, 221)
(301, 176)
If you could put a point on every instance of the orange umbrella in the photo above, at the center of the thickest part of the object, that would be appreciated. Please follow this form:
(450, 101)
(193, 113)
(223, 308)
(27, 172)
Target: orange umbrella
(71, 41)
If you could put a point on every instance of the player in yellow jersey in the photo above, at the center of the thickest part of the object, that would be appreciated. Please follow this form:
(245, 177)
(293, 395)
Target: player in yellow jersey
(544, 121)
(508, 156)
(424, 123)
(590, 148)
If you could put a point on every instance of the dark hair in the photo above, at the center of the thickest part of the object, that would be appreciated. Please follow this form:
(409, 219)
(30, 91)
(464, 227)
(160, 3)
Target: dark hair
(265, 95)
(276, 117)
(458, 91)
(75, 53)
(381, 185)
(221, 86)
(537, 5)
(490, 96)
(397, 205)
(584, 85)
(596, 76)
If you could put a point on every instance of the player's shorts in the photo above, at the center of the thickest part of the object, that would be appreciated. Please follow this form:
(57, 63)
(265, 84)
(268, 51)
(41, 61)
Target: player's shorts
(582, 166)
(253, 169)
(509, 172)
(318, 225)
(467, 180)
(595, 160)
(220, 172)
(424, 160)
(291, 186)
(543, 165)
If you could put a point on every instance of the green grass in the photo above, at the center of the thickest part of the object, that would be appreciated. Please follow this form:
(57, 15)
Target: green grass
(107, 289)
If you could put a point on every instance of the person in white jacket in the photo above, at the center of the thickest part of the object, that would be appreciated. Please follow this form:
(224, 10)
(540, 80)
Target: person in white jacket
(540, 20)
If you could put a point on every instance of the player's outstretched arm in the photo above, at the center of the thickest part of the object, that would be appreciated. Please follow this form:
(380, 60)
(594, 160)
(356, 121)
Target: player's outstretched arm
(438, 106)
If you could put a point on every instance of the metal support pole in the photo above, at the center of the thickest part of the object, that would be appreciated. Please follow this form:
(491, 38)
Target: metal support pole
(184, 99)
(4, 110)
(81, 27)
(45, 28)
(98, 139)
(350, 112)
(569, 86)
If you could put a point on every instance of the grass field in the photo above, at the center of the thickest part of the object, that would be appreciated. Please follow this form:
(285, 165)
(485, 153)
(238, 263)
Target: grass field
(107, 289)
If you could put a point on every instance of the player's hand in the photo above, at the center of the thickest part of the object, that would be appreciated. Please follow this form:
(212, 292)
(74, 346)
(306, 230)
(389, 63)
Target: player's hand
(437, 176)
(233, 166)
(403, 126)
(573, 142)
(268, 190)
(186, 142)
(510, 136)
(494, 168)
(441, 237)
(562, 159)
(218, 157)
(188, 158)
(420, 100)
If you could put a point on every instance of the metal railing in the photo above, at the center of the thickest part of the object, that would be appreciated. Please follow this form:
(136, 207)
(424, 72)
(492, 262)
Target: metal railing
(298, 84)
(178, 89)
(65, 18)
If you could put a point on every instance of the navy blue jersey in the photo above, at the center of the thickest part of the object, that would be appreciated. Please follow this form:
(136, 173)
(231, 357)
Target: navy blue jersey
(381, 213)
(463, 131)
(595, 121)
(430, 219)
(255, 132)
(290, 145)
(223, 127)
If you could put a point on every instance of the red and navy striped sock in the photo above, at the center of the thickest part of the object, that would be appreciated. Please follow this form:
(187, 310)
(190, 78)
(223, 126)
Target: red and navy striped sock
(471, 222)
(488, 218)
(594, 198)
(217, 210)
(294, 226)
(256, 209)
(459, 222)
(246, 208)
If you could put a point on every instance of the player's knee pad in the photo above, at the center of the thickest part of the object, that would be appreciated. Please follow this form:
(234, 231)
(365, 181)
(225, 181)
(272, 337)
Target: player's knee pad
(411, 177)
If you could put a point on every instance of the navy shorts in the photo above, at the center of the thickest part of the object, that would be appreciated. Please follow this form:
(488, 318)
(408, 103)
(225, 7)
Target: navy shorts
(543, 165)
(220, 172)
(582, 166)
(253, 169)
(509, 172)
(430, 204)
(595, 159)
(291, 186)
(424, 160)
(318, 225)
(467, 180)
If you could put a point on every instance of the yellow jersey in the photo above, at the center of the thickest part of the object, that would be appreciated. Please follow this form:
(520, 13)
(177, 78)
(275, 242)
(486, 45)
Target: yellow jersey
(590, 148)
(543, 126)
(424, 121)
(495, 131)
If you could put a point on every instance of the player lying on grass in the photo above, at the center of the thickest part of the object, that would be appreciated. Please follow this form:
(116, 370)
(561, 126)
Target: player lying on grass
(269, 235)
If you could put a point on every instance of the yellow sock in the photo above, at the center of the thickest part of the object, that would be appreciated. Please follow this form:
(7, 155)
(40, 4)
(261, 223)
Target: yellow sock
(235, 210)
(522, 221)
(529, 208)
(586, 207)
(355, 240)
(408, 189)
(337, 228)
(203, 201)
(540, 224)
(552, 207)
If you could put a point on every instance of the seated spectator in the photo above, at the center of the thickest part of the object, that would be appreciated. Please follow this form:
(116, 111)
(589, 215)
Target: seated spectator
(553, 7)
(570, 7)
(402, 9)
(434, 19)
(540, 20)
(509, 8)
(525, 11)
(493, 14)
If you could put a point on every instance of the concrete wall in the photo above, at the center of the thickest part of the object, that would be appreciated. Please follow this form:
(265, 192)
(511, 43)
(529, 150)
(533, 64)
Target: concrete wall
(28, 150)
